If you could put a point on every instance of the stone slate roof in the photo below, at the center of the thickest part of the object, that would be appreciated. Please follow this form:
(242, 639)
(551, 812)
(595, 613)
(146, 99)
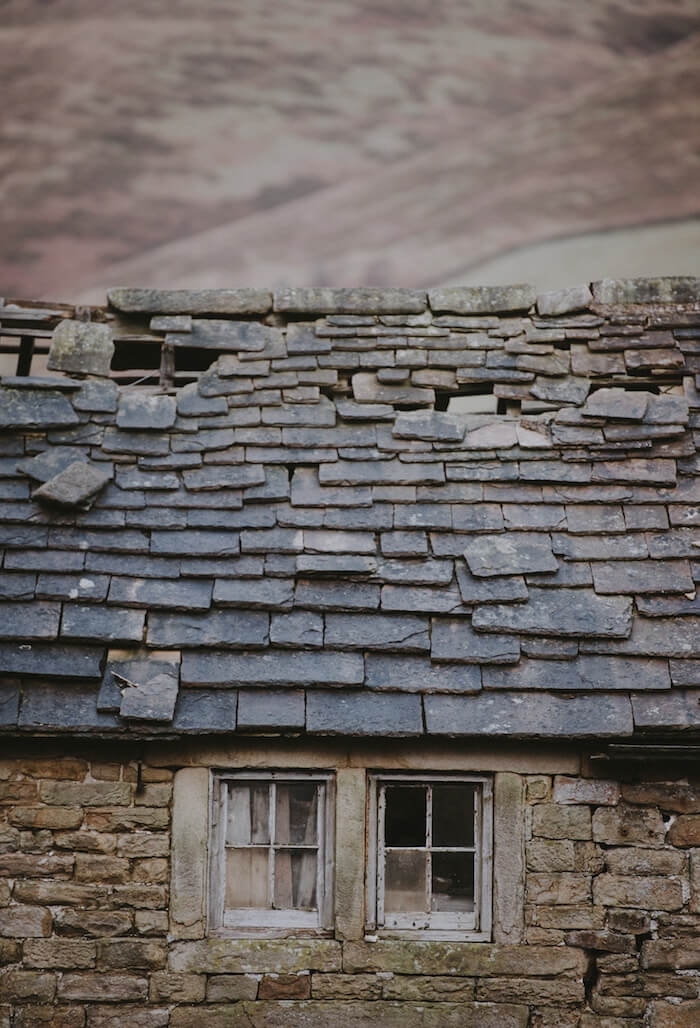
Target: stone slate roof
(320, 533)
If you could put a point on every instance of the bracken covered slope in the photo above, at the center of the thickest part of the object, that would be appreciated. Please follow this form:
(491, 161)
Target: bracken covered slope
(467, 512)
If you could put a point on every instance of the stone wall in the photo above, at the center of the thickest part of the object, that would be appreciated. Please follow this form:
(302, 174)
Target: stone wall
(609, 936)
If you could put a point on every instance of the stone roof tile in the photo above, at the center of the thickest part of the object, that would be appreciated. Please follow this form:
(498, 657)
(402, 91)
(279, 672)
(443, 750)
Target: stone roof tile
(293, 536)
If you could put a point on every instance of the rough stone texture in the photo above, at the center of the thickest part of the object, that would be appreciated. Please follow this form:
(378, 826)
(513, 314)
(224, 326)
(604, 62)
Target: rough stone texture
(482, 299)
(81, 347)
(191, 301)
(76, 486)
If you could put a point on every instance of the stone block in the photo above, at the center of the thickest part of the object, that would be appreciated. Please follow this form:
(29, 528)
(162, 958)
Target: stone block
(131, 954)
(551, 855)
(285, 986)
(593, 791)
(134, 1016)
(86, 794)
(255, 956)
(552, 821)
(564, 301)
(191, 301)
(23, 921)
(527, 990)
(630, 860)
(27, 986)
(628, 826)
(34, 1016)
(66, 954)
(81, 347)
(349, 301)
(558, 888)
(647, 893)
(347, 712)
(685, 831)
(678, 289)
(482, 299)
(669, 1014)
(678, 797)
(231, 987)
(102, 988)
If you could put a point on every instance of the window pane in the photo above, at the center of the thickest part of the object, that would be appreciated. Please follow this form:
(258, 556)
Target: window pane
(295, 880)
(295, 822)
(404, 881)
(248, 815)
(453, 815)
(247, 878)
(453, 881)
(404, 819)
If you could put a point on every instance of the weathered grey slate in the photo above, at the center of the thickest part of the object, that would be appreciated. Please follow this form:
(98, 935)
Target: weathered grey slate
(202, 711)
(51, 461)
(29, 621)
(510, 553)
(272, 668)
(329, 595)
(456, 641)
(9, 702)
(498, 589)
(184, 594)
(78, 485)
(299, 628)
(679, 289)
(643, 576)
(583, 614)
(35, 409)
(92, 622)
(429, 425)
(271, 709)
(401, 673)
(81, 348)
(377, 631)
(368, 389)
(56, 661)
(145, 411)
(237, 336)
(18, 587)
(653, 637)
(97, 396)
(529, 715)
(151, 698)
(232, 628)
(355, 713)
(582, 673)
(191, 301)
(678, 709)
(617, 404)
(48, 705)
(254, 593)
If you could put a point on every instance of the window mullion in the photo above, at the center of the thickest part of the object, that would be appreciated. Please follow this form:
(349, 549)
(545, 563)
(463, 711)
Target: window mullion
(478, 849)
(428, 850)
(271, 863)
(381, 862)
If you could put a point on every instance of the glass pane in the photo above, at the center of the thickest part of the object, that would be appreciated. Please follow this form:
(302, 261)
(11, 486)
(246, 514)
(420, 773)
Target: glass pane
(404, 820)
(248, 815)
(295, 822)
(453, 815)
(247, 878)
(453, 881)
(295, 880)
(404, 881)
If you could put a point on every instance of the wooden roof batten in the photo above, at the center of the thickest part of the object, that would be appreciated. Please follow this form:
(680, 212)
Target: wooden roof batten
(461, 512)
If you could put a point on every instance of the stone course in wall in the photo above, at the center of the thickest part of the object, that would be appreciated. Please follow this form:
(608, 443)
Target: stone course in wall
(611, 918)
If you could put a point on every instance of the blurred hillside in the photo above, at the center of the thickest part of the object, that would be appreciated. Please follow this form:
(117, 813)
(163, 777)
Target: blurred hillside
(233, 142)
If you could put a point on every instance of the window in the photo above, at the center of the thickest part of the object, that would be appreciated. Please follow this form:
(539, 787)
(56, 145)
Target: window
(430, 867)
(271, 853)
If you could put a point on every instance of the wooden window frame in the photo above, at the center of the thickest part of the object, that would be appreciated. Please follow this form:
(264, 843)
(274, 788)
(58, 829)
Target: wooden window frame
(446, 925)
(259, 920)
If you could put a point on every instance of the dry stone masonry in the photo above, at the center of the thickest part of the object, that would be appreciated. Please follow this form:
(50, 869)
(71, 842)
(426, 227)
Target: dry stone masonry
(358, 530)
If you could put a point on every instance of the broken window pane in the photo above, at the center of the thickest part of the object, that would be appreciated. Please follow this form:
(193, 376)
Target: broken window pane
(405, 880)
(453, 815)
(295, 879)
(453, 881)
(247, 874)
(404, 820)
(295, 822)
